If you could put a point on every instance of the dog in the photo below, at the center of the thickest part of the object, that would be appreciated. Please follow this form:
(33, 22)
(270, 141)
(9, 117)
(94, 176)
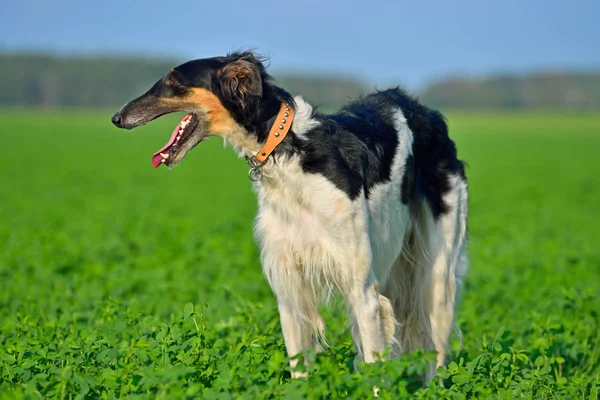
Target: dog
(370, 202)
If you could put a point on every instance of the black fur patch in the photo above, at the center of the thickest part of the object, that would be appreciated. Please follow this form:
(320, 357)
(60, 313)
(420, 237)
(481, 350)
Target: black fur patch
(407, 190)
(354, 149)
(435, 156)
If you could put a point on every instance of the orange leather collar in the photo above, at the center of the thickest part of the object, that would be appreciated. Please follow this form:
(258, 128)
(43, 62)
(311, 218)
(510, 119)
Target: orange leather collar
(278, 132)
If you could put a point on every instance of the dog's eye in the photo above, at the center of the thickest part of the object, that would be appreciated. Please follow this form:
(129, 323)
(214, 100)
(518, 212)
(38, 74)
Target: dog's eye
(170, 80)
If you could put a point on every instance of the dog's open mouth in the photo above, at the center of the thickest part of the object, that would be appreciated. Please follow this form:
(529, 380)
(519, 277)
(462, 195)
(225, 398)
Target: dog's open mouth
(183, 139)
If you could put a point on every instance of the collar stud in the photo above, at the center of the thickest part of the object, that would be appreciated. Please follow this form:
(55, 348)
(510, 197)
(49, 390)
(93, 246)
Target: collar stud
(277, 132)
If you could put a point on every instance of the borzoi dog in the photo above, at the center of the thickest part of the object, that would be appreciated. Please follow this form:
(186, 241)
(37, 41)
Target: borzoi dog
(370, 201)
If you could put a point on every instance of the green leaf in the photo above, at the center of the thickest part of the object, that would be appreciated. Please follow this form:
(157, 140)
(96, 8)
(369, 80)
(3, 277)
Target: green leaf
(27, 364)
(188, 309)
(499, 333)
(7, 358)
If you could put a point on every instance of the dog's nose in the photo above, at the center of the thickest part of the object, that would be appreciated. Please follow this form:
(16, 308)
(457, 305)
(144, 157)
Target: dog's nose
(116, 119)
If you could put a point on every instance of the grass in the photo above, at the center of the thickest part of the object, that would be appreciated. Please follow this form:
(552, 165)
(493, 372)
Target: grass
(121, 281)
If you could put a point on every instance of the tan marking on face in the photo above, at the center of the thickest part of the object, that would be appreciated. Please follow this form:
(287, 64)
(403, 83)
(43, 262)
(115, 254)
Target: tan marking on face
(220, 122)
(219, 118)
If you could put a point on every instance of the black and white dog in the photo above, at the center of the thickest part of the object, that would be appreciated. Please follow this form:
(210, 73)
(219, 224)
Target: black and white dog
(370, 201)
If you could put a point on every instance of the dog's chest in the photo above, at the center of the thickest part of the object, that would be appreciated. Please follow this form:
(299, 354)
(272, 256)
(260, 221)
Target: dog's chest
(304, 220)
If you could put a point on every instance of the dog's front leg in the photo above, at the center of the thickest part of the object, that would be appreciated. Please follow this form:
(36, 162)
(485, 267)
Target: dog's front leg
(297, 333)
(301, 324)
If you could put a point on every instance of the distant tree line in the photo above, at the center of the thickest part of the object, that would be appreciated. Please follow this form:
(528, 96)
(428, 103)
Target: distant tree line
(50, 81)
(40, 80)
(542, 90)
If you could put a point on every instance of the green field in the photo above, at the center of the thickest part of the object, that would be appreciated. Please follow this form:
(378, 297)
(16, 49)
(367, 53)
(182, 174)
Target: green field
(122, 281)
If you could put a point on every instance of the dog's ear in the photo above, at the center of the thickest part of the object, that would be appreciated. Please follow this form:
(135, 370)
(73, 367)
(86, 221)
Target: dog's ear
(240, 81)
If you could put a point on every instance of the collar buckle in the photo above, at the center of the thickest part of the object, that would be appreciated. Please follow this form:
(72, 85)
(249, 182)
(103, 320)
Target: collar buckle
(254, 174)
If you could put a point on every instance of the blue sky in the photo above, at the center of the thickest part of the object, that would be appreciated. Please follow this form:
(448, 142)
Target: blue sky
(401, 42)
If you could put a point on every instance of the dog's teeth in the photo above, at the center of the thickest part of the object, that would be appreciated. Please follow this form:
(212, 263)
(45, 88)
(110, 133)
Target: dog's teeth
(178, 137)
(164, 156)
(163, 160)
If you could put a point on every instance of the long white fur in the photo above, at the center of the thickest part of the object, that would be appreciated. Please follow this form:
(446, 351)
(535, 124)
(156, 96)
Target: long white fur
(400, 274)
(303, 121)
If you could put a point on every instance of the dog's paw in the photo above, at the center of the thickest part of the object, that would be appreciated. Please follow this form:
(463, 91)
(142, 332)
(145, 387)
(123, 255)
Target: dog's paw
(299, 374)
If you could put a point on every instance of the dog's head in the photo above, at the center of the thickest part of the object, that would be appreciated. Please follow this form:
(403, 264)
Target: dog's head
(217, 93)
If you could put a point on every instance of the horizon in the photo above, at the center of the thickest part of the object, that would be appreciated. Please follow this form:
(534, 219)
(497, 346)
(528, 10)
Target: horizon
(297, 72)
(464, 38)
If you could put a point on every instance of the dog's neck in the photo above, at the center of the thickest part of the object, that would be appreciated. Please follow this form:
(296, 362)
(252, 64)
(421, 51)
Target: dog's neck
(250, 133)
(279, 130)
(268, 110)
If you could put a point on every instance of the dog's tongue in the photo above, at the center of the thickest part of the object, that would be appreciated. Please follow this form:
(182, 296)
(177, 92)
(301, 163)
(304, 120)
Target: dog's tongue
(157, 158)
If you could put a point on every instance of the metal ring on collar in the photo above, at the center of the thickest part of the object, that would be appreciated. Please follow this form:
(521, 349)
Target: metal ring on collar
(254, 174)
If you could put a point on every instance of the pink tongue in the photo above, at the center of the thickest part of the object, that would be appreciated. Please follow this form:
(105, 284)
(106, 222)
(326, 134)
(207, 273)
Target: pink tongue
(157, 158)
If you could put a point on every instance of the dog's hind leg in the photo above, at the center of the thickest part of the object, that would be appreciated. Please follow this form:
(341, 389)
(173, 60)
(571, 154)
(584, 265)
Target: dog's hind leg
(366, 310)
(450, 266)
(447, 281)
(409, 289)
(371, 313)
